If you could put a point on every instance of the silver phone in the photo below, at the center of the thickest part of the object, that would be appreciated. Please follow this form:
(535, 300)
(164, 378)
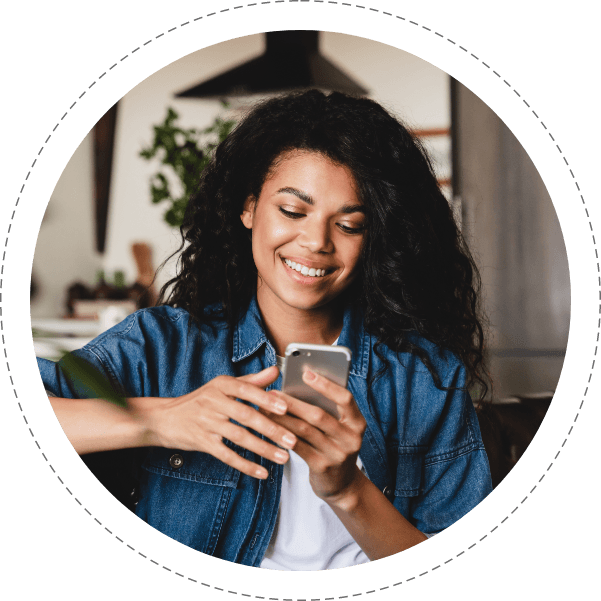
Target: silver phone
(332, 362)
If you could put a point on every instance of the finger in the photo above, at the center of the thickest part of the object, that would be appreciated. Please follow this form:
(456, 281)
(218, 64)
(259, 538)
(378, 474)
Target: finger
(341, 396)
(309, 434)
(238, 388)
(317, 461)
(231, 458)
(346, 434)
(316, 416)
(262, 378)
(251, 418)
(311, 456)
(243, 438)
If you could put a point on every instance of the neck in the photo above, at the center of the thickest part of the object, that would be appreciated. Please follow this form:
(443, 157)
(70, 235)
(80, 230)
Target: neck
(285, 325)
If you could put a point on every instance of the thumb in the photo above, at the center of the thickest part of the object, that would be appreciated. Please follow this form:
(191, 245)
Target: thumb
(262, 378)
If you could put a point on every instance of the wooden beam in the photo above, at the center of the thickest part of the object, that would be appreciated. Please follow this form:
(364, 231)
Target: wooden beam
(431, 132)
(104, 141)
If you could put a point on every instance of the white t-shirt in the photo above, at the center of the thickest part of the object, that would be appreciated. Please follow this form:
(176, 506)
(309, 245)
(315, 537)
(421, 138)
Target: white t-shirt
(308, 535)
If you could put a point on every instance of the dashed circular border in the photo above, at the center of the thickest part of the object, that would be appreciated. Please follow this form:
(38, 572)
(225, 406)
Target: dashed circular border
(384, 14)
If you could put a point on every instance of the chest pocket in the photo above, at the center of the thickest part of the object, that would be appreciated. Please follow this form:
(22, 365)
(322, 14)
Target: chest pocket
(192, 466)
(409, 472)
(186, 495)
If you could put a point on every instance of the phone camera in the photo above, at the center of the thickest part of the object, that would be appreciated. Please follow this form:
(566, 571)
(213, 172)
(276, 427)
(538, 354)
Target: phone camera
(295, 353)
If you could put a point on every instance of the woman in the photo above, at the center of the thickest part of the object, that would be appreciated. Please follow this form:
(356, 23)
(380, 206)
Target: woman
(319, 220)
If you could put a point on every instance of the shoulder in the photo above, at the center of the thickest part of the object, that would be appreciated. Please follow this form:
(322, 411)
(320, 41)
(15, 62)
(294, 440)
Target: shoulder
(152, 315)
(162, 333)
(155, 320)
(410, 364)
(155, 323)
(160, 351)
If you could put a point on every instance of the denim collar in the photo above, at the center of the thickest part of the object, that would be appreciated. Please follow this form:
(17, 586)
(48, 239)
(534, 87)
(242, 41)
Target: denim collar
(249, 337)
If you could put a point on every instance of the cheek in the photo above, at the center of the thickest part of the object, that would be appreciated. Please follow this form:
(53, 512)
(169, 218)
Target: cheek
(353, 256)
(281, 232)
(268, 237)
(275, 234)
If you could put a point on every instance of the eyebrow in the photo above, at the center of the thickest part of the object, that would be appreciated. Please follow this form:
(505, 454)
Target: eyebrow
(346, 209)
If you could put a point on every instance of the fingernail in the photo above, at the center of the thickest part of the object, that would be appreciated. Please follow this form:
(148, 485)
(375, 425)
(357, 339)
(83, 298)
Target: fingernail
(281, 456)
(289, 440)
(261, 473)
(309, 375)
(280, 406)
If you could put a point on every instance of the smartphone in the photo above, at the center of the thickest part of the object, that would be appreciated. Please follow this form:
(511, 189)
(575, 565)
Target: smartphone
(332, 362)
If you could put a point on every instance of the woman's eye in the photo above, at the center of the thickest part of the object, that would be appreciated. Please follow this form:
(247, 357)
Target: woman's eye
(351, 230)
(291, 214)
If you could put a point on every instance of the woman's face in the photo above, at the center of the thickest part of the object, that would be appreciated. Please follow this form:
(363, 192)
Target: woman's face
(307, 231)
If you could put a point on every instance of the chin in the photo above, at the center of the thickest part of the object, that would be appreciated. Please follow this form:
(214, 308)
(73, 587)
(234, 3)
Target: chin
(302, 304)
(306, 304)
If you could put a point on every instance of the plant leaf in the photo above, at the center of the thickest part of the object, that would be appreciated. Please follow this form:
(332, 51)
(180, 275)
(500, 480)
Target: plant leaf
(89, 381)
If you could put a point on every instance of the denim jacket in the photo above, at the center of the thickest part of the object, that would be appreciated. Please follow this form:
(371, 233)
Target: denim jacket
(422, 446)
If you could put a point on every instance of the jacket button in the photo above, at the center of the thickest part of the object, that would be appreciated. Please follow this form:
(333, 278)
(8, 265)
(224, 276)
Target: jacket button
(388, 492)
(176, 461)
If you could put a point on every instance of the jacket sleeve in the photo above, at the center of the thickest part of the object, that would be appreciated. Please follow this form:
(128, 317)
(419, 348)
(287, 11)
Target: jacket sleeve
(90, 377)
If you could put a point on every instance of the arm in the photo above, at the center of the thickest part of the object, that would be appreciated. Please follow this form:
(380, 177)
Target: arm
(93, 425)
(198, 421)
(377, 527)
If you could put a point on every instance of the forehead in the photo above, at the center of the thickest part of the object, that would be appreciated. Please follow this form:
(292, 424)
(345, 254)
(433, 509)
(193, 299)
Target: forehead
(313, 173)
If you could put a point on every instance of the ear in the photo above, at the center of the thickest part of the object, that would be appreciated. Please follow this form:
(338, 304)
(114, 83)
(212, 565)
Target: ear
(248, 212)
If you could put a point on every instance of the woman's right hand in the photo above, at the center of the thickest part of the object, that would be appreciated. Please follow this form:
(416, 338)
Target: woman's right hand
(200, 420)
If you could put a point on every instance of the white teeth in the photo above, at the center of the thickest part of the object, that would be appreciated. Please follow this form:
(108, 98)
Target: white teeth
(304, 270)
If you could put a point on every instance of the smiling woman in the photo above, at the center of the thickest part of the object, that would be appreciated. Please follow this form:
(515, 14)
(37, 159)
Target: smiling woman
(319, 220)
(307, 227)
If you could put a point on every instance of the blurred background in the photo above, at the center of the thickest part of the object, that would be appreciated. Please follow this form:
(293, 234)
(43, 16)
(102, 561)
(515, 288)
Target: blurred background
(103, 237)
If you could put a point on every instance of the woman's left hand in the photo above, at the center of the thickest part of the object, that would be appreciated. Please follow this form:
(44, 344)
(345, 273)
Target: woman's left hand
(330, 446)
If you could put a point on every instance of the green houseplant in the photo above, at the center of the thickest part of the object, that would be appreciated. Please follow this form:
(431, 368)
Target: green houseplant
(184, 153)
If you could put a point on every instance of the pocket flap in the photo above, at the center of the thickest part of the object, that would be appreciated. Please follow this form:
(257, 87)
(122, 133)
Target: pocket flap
(191, 465)
(409, 472)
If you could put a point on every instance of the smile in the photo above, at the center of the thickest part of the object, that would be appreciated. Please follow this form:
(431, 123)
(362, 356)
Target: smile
(304, 270)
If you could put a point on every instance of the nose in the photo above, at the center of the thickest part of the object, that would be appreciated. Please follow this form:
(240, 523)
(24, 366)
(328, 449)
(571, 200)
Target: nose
(315, 236)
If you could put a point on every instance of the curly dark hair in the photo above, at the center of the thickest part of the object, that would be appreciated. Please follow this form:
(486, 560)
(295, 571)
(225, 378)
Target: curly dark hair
(417, 274)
